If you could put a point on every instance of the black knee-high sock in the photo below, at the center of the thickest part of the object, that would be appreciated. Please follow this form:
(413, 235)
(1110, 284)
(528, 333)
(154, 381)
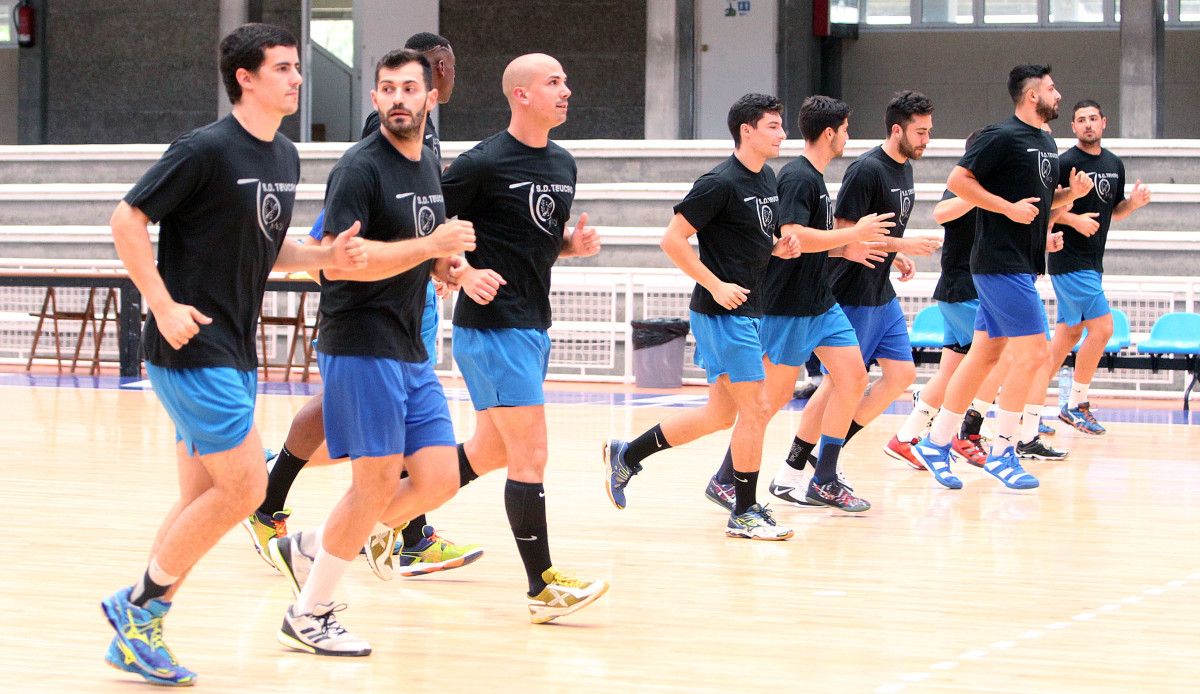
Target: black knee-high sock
(746, 487)
(645, 445)
(525, 503)
(725, 472)
(279, 481)
(855, 427)
(466, 474)
(798, 455)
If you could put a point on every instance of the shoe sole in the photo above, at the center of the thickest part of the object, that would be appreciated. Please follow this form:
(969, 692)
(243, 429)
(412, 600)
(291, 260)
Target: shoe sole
(1036, 456)
(262, 551)
(283, 637)
(747, 536)
(284, 570)
(132, 668)
(425, 569)
(383, 566)
(608, 472)
(820, 502)
(896, 456)
(540, 615)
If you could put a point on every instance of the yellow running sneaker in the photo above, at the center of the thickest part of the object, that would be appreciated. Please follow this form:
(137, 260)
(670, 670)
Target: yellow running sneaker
(434, 553)
(263, 527)
(563, 595)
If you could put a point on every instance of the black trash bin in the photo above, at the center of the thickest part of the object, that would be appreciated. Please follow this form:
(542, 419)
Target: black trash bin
(658, 352)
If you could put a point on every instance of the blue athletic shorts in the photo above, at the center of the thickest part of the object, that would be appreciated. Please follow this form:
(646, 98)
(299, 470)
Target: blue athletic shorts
(730, 345)
(1080, 297)
(376, 407)
(1009, 306)
(882, 331)
(429, 324)
(959, 320)
(212, 408)
(503, 367)
(790, 340)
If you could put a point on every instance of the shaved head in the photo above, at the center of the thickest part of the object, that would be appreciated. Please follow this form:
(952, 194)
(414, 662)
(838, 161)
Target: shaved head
(524, 70)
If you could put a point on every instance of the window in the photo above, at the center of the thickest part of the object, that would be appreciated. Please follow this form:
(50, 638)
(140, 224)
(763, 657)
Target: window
(1010, 11)
(1076, 10)
(843, 11)
(8, 36)
(1189, 10)
(889, 12)
(947, 12)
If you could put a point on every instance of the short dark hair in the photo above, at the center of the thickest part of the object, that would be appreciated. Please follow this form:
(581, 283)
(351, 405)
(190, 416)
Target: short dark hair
(749, 110)
(819, 112)
(246, 47)
(1087, 103)
(1020, 75)
(426, 41)
(904, 106)
(401, 57)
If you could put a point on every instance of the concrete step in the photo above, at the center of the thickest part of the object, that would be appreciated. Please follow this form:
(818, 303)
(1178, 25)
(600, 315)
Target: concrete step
(1174, 206)
(599, 161)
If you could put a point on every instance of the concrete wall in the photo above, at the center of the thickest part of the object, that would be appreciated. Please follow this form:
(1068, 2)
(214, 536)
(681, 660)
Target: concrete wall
(119, 73)
(9, 70)
(601, 44)
(965, 75)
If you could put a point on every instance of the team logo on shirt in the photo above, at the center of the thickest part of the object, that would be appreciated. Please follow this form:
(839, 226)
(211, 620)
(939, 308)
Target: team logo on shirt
(766, 212)
(424, 218)
(828, 212)
(542, 204)
(906, 205)
(1103, 184)
(267, 204)
(1046, 168)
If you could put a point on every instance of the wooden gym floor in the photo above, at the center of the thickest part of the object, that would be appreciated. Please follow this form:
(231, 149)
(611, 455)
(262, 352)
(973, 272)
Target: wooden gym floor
(1090, 583)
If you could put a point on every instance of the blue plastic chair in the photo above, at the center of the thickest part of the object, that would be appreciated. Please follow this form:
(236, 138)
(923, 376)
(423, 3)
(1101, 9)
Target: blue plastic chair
(1120, 338)
(1175, 333)
(928, 329)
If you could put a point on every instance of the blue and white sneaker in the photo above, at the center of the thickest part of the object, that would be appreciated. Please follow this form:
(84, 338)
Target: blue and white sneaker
(937, 460)
(756, 523)
(1045, 429)
(140, 648)
(1007, 468)
(617, 472)
(1081, 418)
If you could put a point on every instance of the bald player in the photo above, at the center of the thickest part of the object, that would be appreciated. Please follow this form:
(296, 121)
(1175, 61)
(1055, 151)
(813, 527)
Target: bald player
(517, 188)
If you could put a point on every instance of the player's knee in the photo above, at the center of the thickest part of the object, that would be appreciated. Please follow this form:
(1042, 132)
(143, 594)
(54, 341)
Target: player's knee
(1103, 332)
(902, 374)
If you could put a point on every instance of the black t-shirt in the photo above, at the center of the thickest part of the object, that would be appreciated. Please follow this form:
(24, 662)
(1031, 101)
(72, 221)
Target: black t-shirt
(223, 200)
(798, 286)
(519, 199)
(1081, 252)
(955, 283)
(1013, 160)
(394, 199)
(873, 184)
(735, 213)
(431, 135)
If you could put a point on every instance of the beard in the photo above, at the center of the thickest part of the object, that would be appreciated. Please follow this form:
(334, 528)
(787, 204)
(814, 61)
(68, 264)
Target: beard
(402, 131)
(1046, 110)
(908, 151)
(1090, 139)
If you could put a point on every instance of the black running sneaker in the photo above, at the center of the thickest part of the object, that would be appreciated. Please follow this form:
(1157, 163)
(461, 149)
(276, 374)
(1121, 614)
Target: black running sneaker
(834, 493)
(1038, 450)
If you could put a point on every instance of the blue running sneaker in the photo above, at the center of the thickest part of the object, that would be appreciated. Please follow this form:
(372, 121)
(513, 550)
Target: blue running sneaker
(140, 642)
(1081, 418)
(936, 459)
(1045, 429)
(1007, 468)
(618, 473)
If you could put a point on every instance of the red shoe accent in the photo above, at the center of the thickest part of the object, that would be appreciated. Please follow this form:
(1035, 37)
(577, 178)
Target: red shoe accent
(969, 450)
(902, 451)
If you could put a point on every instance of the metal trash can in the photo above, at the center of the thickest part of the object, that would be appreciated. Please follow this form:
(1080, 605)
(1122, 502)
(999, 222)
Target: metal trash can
(658, 352)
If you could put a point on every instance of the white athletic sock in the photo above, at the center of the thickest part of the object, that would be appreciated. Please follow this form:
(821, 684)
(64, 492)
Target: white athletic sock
(1079, 393)
(981, 406)
(944, 426)
(917, 420)
(326, 572)
(1007, 424)
(816, 380)
(1030, 419)
(159, 576)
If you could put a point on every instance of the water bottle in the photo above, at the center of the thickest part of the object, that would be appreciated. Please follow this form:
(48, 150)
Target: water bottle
(1064, 386)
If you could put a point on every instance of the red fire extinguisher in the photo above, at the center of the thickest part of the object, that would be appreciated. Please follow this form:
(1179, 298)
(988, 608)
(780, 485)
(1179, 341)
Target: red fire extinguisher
(26, 24)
